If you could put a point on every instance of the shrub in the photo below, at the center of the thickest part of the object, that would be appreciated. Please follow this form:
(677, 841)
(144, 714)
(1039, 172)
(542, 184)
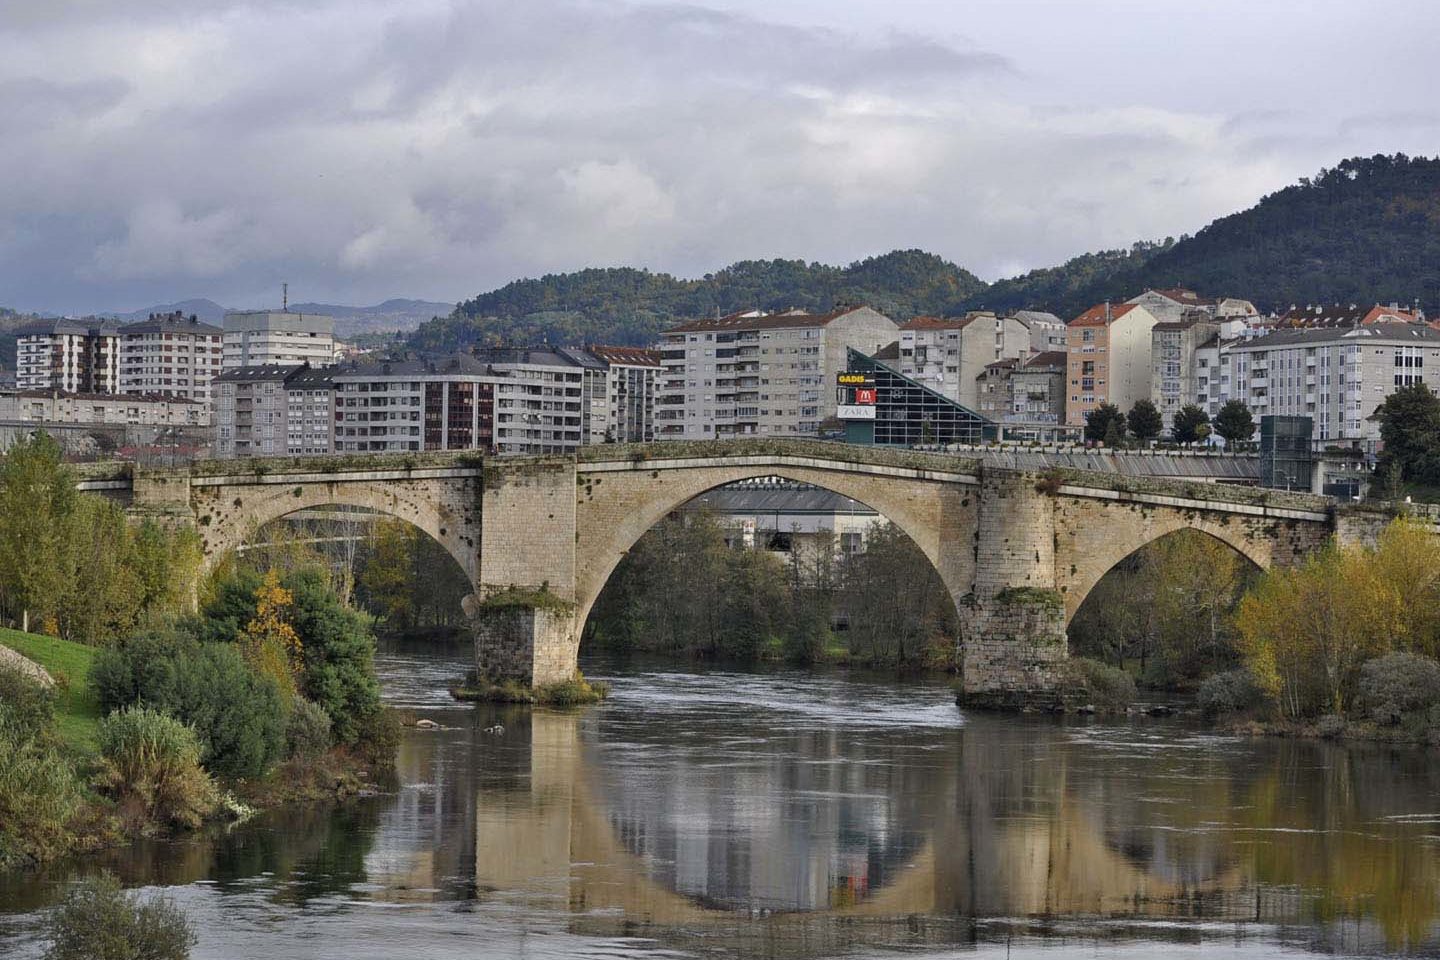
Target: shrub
(572, 692)
(145, 667)
(238, 714)
(378, 737)
(151, 766)
(339, 654)
(29, 703)
(41, 797)
(1106, 687)
(99, 921)
(1231, 692)
(1399, 687)
(307, 734)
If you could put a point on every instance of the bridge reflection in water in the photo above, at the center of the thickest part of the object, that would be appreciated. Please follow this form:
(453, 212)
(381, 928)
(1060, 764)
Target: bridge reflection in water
(787, 838)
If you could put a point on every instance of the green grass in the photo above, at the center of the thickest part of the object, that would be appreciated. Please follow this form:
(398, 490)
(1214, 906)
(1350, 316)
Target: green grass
(77, 710)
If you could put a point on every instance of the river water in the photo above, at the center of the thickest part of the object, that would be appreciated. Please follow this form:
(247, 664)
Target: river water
(727, 814)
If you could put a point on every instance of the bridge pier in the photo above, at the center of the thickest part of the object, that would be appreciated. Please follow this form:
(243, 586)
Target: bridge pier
(1012, 622)
(532, 645)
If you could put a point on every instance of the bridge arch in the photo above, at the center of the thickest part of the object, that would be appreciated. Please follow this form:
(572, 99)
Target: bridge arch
(1078, 575)
(616, 508)
(229, 514)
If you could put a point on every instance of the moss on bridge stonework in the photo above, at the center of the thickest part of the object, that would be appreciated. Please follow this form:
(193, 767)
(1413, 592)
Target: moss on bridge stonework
(526, 598)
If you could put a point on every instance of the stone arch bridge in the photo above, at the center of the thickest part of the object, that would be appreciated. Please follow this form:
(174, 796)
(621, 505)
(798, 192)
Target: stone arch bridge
(539, 536)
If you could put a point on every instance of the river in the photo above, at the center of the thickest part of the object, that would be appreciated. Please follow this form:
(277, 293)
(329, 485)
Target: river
(782, 814)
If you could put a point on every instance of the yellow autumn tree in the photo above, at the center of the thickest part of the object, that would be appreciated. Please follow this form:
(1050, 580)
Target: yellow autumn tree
(271, 644)
(1407, 556)
(1305, 632)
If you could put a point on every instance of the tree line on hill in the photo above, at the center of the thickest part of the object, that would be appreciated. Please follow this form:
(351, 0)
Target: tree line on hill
(1365, 231)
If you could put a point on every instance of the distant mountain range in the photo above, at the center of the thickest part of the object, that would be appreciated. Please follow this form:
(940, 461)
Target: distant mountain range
(396, 315)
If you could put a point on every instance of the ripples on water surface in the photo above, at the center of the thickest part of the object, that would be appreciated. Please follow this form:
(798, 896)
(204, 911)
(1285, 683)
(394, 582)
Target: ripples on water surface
(722, 813)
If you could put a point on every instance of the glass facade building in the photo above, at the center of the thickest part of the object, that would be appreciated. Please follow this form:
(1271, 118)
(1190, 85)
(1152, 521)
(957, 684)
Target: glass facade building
(904, 412)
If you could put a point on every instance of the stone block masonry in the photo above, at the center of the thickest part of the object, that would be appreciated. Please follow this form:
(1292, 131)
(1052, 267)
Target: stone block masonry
(534, 646)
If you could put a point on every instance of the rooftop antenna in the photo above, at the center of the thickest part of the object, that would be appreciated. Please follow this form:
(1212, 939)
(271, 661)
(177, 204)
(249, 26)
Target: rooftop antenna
(285, 297)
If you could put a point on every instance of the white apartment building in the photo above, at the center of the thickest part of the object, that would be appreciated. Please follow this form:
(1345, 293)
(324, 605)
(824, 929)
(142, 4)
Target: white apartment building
(260, 337)
(53, 406)
(503, 401)
(759, 374)
(948, 356)
(1336, 376)
(631, 381)
(1108, 350)
(75, 356)
(170, 355)
(273, 410)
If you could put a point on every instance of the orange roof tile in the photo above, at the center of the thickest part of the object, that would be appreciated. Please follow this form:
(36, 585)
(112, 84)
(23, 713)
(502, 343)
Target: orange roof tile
(1097, 315)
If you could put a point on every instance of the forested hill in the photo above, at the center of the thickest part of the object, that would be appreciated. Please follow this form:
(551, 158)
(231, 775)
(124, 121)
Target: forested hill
(628, 306)
(1367, 230)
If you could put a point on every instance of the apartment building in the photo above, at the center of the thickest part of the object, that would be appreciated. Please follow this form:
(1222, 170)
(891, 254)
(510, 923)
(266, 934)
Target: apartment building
(1345, 315)
(273, 410)
(75, 356)
(503, 401)
(1177, 303)
(759, 374)
(1335, 375)
(1026, 397)
(170, 355)
(1108, 351)
(1173, 369)
(949, 355)
(631, 382)
(53, 406)
(1047, 331)
(264, 337)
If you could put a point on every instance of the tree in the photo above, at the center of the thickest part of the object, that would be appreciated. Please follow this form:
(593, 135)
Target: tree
(1410, 432)
(1306, 631)
(270, 643)
(1144, 421)
(1104, 423)
(1234, 422)
(37, 496)
(339, 653)
(1191, 424)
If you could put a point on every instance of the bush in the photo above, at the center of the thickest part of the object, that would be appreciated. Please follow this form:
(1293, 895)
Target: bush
(151, 766)
(378, 737)
(339, 652)
(1231, 692)
(307, 734)
(1099, 684)
(1399, 687)
(28, 702)
(41, 797)
(238, 714)
(145, 668)
(99, 921)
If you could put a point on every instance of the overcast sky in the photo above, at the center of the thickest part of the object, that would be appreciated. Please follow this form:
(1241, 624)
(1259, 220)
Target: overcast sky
(154, 150)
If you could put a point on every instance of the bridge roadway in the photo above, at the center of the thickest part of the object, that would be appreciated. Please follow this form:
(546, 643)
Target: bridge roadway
(1018, 550)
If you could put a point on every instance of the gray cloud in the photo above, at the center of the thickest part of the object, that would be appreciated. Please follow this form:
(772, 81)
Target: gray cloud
(439, 147)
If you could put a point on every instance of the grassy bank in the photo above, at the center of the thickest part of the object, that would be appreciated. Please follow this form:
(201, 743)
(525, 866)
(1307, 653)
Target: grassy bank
(77, 710)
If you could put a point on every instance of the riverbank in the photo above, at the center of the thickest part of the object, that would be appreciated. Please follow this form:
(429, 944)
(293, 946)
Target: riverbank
(56, 738)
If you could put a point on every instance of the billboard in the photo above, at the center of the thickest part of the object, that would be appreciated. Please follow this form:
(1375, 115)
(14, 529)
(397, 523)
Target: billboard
(853, 379)
(855, 411)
